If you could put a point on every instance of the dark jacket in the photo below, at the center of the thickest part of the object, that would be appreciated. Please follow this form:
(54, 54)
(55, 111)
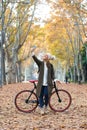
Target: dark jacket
(50, 76)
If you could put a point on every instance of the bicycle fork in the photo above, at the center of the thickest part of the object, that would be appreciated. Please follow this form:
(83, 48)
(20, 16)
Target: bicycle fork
(56, 90)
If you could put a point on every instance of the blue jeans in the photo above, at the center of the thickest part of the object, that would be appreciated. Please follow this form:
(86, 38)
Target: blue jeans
(43, 99)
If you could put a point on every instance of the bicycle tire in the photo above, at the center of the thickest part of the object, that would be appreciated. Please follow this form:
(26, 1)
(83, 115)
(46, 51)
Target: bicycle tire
(23, 104)
(63, 104)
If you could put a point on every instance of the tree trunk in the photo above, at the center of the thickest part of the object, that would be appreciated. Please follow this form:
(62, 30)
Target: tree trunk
(19, 73)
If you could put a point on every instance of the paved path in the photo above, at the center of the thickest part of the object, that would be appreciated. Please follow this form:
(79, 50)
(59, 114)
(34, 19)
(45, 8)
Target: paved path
(73, 119)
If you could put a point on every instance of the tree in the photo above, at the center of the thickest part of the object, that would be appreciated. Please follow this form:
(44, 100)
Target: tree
(16, 34)
(84, 59)
(71, 14)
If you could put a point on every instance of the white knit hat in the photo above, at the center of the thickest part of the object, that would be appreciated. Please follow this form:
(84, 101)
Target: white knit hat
(50, 57)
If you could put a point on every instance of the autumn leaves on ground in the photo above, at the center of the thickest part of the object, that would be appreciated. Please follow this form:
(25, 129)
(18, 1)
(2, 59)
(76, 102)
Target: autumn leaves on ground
(75, 118)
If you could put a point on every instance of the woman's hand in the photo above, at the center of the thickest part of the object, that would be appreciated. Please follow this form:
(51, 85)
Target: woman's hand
(33, 48)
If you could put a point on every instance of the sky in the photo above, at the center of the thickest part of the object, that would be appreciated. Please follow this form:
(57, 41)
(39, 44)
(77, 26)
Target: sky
(43, 12)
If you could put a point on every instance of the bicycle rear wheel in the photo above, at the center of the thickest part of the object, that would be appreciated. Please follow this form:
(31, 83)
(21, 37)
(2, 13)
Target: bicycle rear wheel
(61, 103)
(26, 101)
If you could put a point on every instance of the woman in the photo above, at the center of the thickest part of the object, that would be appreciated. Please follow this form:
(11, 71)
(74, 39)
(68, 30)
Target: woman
(45, 80)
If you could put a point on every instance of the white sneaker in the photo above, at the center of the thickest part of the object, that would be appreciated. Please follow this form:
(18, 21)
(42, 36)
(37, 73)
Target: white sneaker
(38, 109)
(42, 111)
(46, 110)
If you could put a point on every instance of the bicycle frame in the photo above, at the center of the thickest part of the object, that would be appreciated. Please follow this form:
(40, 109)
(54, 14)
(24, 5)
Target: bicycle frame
(54, 86)
(35, 86)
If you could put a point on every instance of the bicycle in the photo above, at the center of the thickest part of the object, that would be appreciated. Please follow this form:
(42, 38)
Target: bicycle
(27, 101)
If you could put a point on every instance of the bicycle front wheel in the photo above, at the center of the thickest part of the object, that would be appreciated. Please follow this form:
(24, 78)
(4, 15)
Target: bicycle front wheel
(60, 100)
(26, 101)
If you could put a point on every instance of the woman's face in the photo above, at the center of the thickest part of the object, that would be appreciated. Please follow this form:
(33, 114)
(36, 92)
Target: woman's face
(45, 57)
